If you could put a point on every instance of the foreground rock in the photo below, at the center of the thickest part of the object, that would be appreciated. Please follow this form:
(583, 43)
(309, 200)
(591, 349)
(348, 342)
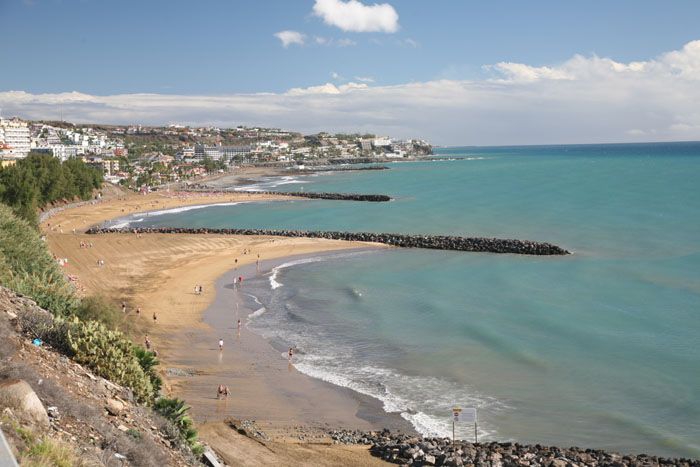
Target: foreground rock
(434, 242)
(418, 452)
(18, 396)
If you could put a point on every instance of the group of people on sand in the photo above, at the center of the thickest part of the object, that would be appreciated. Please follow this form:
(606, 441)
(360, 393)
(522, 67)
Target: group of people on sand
(85, 244)
(198, 290)
(223, 392)
(138, 312)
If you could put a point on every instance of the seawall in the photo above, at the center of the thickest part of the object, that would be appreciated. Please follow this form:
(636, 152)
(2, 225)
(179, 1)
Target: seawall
(433, 242)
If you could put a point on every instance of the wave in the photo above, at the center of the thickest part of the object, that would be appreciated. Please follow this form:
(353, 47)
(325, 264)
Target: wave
(183, 209)
(274, 283)
(256, 313)
(425, 402)
(124, 223)
(265, 184)
(140, 217)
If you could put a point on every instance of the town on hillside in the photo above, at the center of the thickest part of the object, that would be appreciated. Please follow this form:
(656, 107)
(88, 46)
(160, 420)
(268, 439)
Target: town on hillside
(148, 156)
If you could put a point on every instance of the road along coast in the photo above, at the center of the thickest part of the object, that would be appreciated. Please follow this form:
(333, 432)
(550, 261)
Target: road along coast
(433, 242)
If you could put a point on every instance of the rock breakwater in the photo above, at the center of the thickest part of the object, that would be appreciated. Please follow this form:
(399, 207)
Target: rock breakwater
(332, 196)
(433, 242)
(416, 451)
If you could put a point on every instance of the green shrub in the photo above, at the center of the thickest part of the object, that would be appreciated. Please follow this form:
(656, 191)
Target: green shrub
(148, 363)
(27, 267)
(134, 434)
(98, 308)
(111, 355)
(175, 410)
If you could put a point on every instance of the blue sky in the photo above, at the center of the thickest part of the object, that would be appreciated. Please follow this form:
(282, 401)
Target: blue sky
(348, 62)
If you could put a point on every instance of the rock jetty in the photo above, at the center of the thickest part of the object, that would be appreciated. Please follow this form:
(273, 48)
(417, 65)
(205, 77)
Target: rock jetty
(433, 242)
(344, 169)
(416, 451)
(333, 196)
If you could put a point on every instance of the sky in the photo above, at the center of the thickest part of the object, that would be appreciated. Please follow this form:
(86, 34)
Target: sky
(454, 72)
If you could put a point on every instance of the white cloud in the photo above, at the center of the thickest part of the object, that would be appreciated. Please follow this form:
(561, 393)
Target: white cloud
(346, 42)
(582, 100)
(328, 88)
(364, 80)
(290, 37)
(320, 40)
(355, 16)
(335, 75)
(411, 42)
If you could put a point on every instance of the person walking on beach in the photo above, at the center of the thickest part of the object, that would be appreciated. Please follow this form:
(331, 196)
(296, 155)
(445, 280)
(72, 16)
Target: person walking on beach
(234, 283)
(291, 353)
(240, 281)
(195, 290)
(227, 391)
(200, 290)
(221, 344)
(147, 343)
(220, 392)
(154, 317)
(239, 324)
(138, 311)
(123, 307)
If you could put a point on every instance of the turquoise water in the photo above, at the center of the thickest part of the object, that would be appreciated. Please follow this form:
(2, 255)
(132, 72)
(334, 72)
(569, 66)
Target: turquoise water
(598, 349)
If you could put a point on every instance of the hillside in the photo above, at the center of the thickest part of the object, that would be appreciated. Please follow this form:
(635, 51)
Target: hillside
(92, 420)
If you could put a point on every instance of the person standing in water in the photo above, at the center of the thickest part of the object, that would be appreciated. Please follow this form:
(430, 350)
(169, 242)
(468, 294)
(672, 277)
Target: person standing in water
(221, 344)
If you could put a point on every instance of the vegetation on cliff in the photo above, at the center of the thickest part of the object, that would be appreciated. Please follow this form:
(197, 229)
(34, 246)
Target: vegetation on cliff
(83, 330)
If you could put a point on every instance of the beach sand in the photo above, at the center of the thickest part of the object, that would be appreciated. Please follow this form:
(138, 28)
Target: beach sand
(158, 272)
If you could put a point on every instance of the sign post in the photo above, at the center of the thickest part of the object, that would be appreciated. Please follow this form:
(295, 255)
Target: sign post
(455, 418)
(464, 415)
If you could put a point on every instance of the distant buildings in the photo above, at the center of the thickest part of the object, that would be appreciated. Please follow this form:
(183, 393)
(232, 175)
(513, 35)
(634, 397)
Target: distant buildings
(215, 153)
(14, 134)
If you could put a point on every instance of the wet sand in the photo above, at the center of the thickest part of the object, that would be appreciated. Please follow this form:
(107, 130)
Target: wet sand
(263, 382)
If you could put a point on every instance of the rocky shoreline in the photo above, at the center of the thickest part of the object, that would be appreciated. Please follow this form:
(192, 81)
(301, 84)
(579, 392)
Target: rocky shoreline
(433, 242)
(415, 451)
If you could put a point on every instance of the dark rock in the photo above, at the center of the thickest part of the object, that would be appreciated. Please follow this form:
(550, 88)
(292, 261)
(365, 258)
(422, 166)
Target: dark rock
(435, 242)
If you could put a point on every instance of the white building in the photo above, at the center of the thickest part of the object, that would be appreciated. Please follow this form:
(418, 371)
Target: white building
(15, 133)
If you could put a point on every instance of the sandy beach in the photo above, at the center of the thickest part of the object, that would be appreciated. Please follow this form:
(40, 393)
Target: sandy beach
(157, 273)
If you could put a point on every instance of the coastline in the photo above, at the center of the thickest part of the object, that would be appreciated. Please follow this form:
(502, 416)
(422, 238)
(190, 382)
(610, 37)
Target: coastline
(157, 272)
(278, 393)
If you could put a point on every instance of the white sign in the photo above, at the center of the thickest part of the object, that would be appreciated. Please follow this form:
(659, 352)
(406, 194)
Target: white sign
(464, 415)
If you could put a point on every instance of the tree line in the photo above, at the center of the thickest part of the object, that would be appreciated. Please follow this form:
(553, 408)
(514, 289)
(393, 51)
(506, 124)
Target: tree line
(41, 179)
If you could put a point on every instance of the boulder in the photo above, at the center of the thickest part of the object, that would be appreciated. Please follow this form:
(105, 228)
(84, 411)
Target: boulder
(114, 407)
(20, 398)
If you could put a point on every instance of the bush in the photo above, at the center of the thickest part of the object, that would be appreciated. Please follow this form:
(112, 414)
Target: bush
(148, 363)
(110, 355)
(175, 410)
(98, 308)
(43, 326)
(134, 434)
(27, 267)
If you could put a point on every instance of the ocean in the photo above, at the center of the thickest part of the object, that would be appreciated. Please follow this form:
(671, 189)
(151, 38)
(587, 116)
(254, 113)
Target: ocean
(598, 349)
